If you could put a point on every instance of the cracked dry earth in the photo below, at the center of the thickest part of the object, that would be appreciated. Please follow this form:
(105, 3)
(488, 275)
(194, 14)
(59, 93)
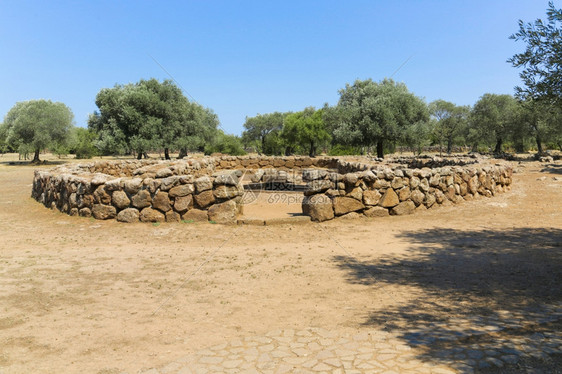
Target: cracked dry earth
(467, 288)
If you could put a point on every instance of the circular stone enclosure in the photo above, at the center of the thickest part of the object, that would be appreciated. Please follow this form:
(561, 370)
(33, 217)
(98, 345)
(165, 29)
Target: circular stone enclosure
(215, 188)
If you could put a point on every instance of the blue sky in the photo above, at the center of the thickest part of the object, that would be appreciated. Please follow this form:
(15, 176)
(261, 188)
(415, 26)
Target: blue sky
(241, 58)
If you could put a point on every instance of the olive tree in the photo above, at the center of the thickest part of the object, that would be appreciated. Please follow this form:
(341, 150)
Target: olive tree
(306, 129)
(372, 114)
(36, 125)
(150, 115)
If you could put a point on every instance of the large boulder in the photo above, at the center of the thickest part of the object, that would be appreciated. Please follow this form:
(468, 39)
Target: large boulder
(371, 197)
(128, 215)
(405, 207)
(228, 192)
(343, 205)
(389, 199)
(161, 202)
(376, 211)
(203, 184)
(318, 207)
(318, 186)
(417, 197)
(204, 199)
(224, 212)
(182, 190)
(120, 199)
(183, 203)
(151, 215)
(101, 211)
(195, 215)
(142, 199)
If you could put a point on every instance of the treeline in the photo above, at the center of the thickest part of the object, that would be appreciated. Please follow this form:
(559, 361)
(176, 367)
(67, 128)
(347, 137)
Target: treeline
(377, 117)
(132, 119)
(369, 118)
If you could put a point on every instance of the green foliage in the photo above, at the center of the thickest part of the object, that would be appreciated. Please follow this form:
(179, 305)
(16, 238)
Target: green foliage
(82, 143)
(451, 121)
(417, 136)
(542, 59)
(370, 113)
(492, 119)
(150, 115)
(4, 147)
(305, 129)
(262, 132)
(344, 150)
(225, 143)
(36, 125)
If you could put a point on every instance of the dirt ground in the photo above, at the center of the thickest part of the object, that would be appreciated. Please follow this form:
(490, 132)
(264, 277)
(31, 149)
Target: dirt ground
(79, 295)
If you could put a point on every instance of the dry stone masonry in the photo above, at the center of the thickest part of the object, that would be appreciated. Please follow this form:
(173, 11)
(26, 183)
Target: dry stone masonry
(211, 188)
(381, 190)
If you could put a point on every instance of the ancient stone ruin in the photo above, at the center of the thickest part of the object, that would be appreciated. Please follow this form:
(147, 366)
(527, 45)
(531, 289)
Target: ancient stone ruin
(213, 188)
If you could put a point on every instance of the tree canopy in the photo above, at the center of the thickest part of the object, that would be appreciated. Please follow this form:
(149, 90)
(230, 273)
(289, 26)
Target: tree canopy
(150, 115)
(370, 113)
(261, 127)
(306, 129)
(492, 119)
(542, 59)
(450, 121)
(36, 125)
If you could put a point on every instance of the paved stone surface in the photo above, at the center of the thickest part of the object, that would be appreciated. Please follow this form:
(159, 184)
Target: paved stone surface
(461, 345)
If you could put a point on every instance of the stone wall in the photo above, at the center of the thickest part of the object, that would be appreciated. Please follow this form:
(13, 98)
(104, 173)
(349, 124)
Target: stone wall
(210, 188)
(377, 190)
(142, 191)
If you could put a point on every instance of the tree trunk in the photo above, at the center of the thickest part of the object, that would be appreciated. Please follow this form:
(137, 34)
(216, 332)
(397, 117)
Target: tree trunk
(139, 155)
(262, 145)
(539, 144)
(449, 145)
(380, 149)
(312, 151)
(145, 155)
(167, 153)
(183, 153)
(36, 156)
(499, 142)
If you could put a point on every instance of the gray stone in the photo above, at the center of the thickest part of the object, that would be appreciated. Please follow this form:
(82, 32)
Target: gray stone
(318, 186)
(228, 179)
(128, 215)
(169, 182)
(203, 184)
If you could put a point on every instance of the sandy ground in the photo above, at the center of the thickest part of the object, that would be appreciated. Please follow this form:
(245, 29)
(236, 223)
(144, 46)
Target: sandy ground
(80, 295)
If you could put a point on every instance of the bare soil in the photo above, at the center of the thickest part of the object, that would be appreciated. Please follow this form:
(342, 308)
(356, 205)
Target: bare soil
(80, 295)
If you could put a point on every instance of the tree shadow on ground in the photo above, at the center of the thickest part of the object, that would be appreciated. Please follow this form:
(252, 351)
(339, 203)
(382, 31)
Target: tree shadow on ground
(474, 290)
(552, 169)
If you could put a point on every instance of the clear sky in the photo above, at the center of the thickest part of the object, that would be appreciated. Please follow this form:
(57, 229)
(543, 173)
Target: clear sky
(241, 58)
